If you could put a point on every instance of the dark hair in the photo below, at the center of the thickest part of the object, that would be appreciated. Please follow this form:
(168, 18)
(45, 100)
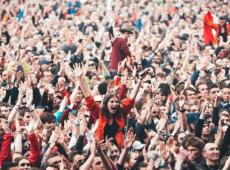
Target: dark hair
(164, 89)
(224, 85)
(102, 88)
(47, 118)
(73, 154)
(4, 104)
(224, 110)
(200, 83)
(189, 89)
(24, 110)
(104, 109)
(179, 87)
(213, 86)
(195, 142)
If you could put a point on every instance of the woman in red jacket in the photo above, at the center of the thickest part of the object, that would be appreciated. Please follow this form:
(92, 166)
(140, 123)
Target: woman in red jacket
(111, 115)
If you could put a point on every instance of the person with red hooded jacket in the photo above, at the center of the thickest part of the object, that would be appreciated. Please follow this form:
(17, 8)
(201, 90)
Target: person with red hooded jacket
(120, 50)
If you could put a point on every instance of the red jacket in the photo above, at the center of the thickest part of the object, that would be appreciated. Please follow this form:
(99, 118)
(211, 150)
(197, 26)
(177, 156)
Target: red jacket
(95, 112)
(120, 51)
(5, 155)
(208, 26)
(35, 150)
(208, 36)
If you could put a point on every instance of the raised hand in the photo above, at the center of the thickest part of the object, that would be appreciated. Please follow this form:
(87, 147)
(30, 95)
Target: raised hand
(83, 126)
(101, 146)
(164, 151)
(150, 104)
(63, 104)
(93, 147)
(180, 156)
(109, 141)
(171, 143)
(55, 135)
(21, 94)
(32, 125)
(78, 71)
(129, 139)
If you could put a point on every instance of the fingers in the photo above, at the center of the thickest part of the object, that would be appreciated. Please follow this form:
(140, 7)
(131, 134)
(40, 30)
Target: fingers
(108, 140)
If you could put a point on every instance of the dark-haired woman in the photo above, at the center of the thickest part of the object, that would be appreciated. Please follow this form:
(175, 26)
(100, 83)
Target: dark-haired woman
(111, 115)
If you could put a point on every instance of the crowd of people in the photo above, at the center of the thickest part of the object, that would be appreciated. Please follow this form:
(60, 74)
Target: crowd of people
(115, 85)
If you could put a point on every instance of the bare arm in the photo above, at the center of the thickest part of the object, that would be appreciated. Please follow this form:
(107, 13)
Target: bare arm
(87, 165)
(106, 161)
(135, 91)
(18, 138)
(130, 137)
(16, 107)
(82, 83)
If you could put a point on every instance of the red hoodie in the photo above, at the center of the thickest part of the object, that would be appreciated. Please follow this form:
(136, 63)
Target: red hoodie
(120, 51)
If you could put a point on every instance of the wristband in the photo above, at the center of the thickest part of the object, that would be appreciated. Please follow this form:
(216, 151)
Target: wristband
(182, 110)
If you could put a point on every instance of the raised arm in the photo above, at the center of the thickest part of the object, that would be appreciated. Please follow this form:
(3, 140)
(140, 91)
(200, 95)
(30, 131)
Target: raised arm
(200, 122)
(18, 138)
(16, 107)
(92, 106)
(88, 163)
(82, 83)
(101, 147)
(135, 90)
(35, 150)
(5, 154)
(130, 137)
